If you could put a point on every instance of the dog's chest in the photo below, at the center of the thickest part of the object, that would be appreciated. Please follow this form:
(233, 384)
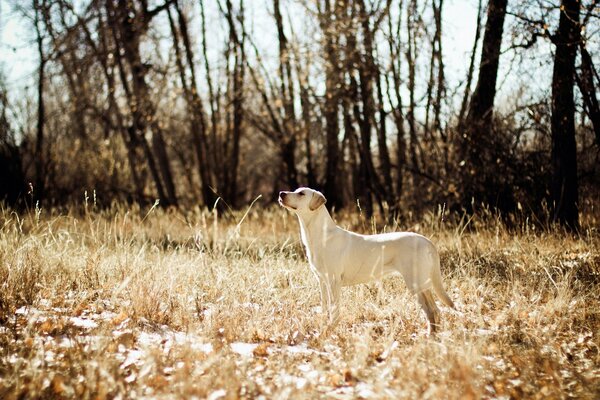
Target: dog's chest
(315, 256)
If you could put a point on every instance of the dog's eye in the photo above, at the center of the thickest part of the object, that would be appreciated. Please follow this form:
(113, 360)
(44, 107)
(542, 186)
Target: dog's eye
(301, 193)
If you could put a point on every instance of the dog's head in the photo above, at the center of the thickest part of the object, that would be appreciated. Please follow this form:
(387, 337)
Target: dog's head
(302, 200)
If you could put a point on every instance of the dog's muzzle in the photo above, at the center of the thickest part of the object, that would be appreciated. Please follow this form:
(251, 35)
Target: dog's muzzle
(282, 196)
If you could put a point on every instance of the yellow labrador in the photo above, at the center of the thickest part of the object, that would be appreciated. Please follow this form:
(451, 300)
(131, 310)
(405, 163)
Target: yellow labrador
(339, 257)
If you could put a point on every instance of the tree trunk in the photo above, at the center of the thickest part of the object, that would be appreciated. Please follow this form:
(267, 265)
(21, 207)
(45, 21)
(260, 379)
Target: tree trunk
(237, 100)
(482, 102)
(369, 75)
(478, 150)
(411, 55)
(436, 78)
(350, 142)
(136, 131)
(307, 127)
(385, 162)
(41, 114)
(441, 77)
(12, 180)
(144, 110)
(564, 152)
(217, 153)
(287, 93)
(331, 111)
(397, 110)
(586, 84)
(102, 54)
(467, 93)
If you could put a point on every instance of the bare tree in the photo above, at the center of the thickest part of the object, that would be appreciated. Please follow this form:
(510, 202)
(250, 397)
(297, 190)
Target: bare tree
(213, 99)
(290, 124)
(482, 103)
(564, 151)
(477, 150)
(394, 95)
(236, 93)
(127, 32)
(369, 74)
(412, 32)
(327, 21)
(585, 81)
(12, 181)
(469, 79)
(197, 119)
(436, 84)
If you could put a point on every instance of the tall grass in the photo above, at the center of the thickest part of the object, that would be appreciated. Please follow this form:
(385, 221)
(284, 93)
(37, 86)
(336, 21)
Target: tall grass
(153, 303)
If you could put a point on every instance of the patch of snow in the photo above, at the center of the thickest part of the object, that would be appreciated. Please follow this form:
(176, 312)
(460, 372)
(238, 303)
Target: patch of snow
(305, 367)
(299, 382)
(149, 339)
(243, 349)
(203, 347)
(217, 394)
(107, 315)
(25, 310)
(83, 323)
(364, 391)
(299, 349)
(46, 303)
(49, 356)
(133, 356)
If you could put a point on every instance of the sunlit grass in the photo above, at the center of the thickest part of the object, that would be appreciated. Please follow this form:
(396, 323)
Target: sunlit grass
(139, 303)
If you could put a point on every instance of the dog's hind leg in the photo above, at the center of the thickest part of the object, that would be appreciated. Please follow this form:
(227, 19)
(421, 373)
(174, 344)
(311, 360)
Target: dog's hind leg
(432, 312)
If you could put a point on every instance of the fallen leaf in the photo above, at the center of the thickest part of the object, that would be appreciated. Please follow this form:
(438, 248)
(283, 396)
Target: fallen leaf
(262, 350)
(58, 384)
(119, 318)
(349, 378)
(335, 380)
(80, 309)
(157, 381)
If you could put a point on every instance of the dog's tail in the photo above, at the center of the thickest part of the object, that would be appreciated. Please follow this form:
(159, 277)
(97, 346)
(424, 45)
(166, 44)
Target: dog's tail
(436, 279)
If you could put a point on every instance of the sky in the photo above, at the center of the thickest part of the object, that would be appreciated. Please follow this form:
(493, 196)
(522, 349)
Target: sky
(17, 49)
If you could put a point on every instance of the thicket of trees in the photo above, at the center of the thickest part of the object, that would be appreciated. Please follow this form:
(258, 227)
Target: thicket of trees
(142, 99)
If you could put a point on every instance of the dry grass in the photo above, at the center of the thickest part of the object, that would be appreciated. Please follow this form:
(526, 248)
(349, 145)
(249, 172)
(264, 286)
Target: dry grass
(138, 303)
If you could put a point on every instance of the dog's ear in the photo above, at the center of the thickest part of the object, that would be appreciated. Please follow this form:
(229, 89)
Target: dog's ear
(317, 201)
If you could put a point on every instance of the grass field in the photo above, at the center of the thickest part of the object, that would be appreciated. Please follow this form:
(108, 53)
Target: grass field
(155, 304)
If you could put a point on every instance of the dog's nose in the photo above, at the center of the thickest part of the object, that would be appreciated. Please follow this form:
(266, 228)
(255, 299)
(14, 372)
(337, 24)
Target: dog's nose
(282, 195)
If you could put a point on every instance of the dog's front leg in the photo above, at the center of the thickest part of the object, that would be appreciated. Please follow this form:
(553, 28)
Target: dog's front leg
(324, 295)
(330, 292)
(325, 302)
(333, 293)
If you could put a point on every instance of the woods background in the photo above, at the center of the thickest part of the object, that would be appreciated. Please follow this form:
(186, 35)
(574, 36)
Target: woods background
(185, 102)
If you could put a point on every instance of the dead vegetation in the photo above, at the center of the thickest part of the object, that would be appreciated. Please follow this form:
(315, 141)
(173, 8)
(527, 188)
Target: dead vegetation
(132, 303)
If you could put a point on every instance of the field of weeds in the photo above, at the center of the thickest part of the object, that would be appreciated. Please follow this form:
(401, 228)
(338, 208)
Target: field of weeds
(156, 304)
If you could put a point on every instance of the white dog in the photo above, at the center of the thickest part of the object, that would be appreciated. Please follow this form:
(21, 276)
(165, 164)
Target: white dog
(339, 257)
